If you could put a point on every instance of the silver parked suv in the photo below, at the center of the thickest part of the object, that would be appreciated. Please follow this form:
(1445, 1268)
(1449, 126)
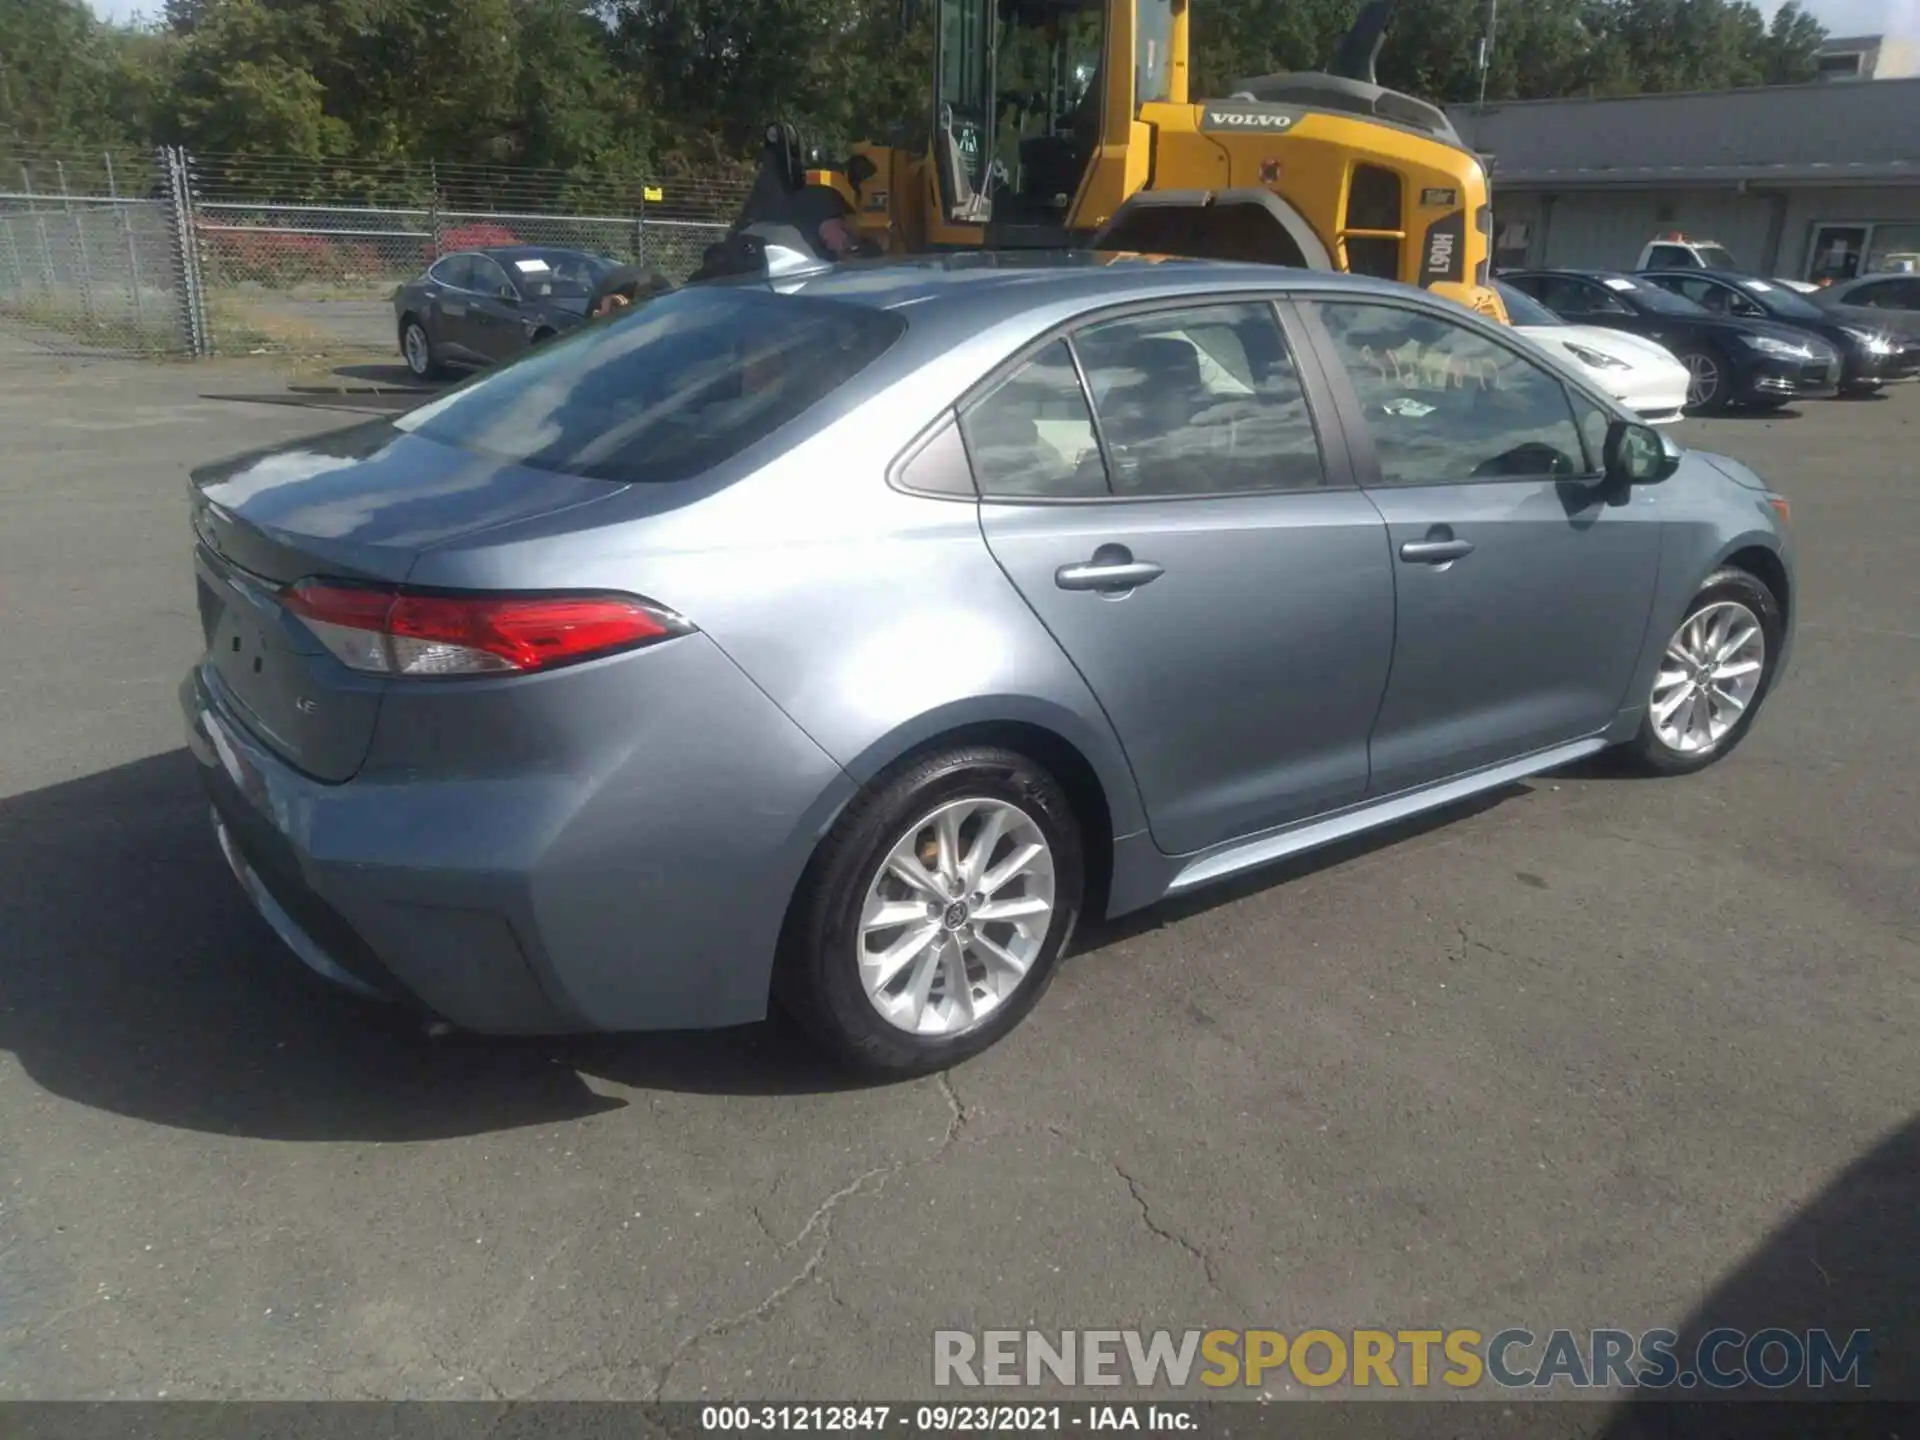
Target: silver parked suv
(845, 639)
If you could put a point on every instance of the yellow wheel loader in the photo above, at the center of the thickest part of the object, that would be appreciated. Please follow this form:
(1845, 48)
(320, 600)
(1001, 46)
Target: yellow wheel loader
(1060, 123)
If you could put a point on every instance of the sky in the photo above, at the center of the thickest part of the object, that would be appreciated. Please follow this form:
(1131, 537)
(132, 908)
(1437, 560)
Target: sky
(1841, 17)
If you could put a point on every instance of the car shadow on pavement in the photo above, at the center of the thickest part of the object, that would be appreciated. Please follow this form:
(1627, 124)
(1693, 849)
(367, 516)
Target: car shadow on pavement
(1846, 1261)
(137, 979)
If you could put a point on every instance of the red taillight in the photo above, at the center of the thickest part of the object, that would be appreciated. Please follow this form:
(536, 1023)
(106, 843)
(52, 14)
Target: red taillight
(389, 632)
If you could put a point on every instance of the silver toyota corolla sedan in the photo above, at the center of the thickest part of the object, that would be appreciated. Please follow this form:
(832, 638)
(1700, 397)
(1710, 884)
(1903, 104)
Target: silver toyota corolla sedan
(847, 638)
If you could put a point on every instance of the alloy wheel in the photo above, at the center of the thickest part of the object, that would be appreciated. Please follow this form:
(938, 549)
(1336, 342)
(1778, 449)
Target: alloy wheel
(1708, 677)
(955, 916)
(1703, 378)
(419, 356)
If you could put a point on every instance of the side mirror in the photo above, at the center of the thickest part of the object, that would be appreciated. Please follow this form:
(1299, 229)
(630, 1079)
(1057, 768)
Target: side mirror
(1638, 454)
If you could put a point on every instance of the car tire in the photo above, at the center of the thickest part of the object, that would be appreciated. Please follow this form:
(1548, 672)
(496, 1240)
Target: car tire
(840, 940)
(1681, 740)
(540, 337)
(1710, 382)
(416, 348)
(1860, 388)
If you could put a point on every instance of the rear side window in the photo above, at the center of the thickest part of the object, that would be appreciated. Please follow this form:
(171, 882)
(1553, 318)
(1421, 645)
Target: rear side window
(1200, 402)
(1031, 436)
(454, 270)
(664, 392)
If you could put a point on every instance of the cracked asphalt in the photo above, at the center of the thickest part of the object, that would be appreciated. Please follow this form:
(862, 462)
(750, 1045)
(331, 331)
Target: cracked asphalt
(1590, 1052)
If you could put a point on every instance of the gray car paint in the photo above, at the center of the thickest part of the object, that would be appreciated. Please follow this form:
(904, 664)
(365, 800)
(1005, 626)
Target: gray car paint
(629, 832)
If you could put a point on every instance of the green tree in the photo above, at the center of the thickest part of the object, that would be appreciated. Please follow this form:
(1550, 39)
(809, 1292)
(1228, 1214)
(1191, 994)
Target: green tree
(1792, 48)
(66, 79)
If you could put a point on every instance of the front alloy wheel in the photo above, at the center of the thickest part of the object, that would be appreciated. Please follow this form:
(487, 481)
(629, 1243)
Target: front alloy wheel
(1712, 676)
(1708, 677)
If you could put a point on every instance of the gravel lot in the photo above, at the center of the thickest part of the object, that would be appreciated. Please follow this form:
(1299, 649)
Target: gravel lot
(1593, 1052)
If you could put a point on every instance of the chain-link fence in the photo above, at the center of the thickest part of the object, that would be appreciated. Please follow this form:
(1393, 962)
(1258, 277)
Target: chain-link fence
(91, 250)
(222, 254)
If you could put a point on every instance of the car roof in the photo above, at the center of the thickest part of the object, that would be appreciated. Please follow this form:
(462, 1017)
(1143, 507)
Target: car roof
(977, 289)
(1575, 271)
(513, 252)
(1708, 272)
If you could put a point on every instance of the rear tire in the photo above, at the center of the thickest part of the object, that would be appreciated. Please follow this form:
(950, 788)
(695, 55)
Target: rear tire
(850, 969)
(1705, 664)
(416, 348)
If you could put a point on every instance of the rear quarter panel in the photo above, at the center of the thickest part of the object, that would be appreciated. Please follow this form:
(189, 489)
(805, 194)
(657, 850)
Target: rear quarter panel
(875, 619)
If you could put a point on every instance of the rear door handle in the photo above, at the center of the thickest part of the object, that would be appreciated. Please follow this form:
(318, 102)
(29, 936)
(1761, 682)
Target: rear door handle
(1112, 569)
(1435, 552)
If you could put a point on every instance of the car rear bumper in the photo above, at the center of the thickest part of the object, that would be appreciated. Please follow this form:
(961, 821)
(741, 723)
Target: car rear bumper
(647, 894)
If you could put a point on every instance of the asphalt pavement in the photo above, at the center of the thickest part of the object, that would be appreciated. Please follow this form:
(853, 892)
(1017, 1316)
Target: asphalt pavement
(1590, 1052)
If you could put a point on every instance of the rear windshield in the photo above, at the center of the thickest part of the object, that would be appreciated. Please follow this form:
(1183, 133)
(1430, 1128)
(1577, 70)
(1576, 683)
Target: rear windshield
(1782, 301)
(665, 391)
(556, 274)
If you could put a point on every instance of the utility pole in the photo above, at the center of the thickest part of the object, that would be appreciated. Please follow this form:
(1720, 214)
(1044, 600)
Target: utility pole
(1486, 51)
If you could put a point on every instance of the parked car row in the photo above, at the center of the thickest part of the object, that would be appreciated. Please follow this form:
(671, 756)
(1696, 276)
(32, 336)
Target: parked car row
(1742, 340)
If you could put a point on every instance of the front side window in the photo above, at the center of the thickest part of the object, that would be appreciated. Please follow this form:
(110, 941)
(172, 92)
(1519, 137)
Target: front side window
(1031, 436)
(664, 392)
(1711, 295)
(1445, 404)
(1203, 401)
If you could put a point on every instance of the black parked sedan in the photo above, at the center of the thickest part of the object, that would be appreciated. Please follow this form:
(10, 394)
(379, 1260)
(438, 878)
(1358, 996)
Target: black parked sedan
(1732, 358)
(1869, 355)
(477, 307)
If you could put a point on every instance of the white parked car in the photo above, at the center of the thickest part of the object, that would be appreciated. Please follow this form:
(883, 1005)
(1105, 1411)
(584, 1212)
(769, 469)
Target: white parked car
(1643, 375)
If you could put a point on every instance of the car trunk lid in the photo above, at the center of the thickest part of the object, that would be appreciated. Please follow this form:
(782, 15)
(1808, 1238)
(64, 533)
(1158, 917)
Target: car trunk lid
(361, 505)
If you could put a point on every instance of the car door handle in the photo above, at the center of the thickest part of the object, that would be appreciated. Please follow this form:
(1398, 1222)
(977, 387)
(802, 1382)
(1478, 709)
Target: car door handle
(1107, 574)
(1435, 552)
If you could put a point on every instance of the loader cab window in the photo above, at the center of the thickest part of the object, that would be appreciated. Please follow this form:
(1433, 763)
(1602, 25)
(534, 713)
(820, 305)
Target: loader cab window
(963, 100)
(1048, 75)
(1152, 51)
